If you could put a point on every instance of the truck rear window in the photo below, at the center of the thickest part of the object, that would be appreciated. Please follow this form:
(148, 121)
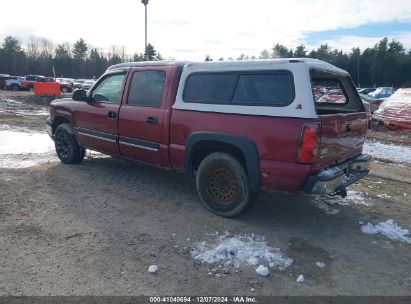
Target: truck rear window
(334, 93)
(271, 88)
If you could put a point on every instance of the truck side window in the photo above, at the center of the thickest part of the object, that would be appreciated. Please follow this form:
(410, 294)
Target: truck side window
(272, 88)
(146, 89)
(210, 87)
(264, 89)
(109, 89)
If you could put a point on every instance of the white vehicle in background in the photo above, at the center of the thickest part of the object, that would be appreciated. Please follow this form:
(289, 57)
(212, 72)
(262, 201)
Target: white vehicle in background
(13, 83)
(87, 84)
(84, 84)
(77, 83)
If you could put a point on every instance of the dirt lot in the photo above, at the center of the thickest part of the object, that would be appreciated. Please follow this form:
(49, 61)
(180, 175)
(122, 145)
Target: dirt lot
(96, 227)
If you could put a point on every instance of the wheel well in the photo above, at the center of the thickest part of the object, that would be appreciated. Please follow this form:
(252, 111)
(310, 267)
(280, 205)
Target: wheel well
(58, 121)
(204, 148)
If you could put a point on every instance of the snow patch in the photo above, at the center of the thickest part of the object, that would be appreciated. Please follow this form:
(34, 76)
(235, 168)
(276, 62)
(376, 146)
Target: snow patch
(253, 261)
(153, 269)
(300, 279)
(239, 251)
(384, 195)
(320, 264)
(391, 152)
(23, 149)
(262, 271)
(352, 198)
(17, 142)
(390, 229)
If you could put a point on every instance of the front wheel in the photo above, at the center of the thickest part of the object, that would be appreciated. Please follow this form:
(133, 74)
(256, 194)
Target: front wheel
(67, 148)
(222, 185)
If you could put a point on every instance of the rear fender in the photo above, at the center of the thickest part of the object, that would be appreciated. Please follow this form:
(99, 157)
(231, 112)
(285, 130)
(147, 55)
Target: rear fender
(247, 147)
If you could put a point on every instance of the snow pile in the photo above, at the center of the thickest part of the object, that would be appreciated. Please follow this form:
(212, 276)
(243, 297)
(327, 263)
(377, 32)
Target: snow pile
(352, 198)
(356, 198)
(390, 229)
(300, 279)
(262, 271)
(320, 264)
(391, 152)
(239, 251)
(22, 149)
(153, 269)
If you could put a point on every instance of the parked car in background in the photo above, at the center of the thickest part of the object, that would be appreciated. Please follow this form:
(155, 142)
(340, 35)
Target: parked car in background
(87, 84)
(374, 103)
(3, 78)
(66, 84)
(395, 112)
(381, 93)
(65, 80)
(28, 83)
(366, 91)
(77, 83)
(65, 87)
(13, 83)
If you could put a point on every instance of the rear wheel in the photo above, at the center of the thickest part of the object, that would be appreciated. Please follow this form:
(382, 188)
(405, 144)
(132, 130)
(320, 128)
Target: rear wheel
(15, 87)
(222, 185)
(67, 148)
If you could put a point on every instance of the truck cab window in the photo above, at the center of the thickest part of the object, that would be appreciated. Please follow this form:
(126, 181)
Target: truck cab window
(109, 89)
(146, 89)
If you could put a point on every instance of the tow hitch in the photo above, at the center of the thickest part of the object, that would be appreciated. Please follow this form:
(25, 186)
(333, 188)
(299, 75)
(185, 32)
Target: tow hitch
(340, 191)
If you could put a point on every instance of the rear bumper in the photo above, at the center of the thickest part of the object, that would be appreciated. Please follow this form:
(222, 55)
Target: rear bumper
(337, 178)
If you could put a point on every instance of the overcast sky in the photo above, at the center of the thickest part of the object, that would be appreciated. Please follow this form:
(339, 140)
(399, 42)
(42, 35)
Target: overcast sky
(191, 29)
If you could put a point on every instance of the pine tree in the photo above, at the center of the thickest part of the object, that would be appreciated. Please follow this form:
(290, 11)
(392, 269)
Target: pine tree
(80, 49)
(300, 51)
(150, 53)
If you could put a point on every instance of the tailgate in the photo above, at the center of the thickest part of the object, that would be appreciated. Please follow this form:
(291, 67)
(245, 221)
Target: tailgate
(342, 137)
(342, 115)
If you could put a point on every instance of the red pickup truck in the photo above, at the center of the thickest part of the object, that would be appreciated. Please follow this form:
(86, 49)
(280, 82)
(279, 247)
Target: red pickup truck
(28, 83)
(237, 126)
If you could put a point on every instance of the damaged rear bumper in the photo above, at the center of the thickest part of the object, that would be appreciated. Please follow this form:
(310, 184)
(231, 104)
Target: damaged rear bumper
(335, 179)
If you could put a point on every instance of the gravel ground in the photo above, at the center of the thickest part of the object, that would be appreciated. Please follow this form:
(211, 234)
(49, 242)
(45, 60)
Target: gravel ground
(95, 228)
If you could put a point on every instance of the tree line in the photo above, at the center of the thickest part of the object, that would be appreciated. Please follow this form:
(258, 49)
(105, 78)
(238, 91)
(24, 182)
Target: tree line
(385, 64)
(41, 57)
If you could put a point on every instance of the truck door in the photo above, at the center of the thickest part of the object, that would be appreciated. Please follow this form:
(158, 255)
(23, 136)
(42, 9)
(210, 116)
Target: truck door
(97, 119)
(142, 115)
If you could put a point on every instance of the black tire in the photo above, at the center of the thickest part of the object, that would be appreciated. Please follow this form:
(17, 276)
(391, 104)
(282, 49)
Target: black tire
(15, 87)
(222, 185)
(67, 148)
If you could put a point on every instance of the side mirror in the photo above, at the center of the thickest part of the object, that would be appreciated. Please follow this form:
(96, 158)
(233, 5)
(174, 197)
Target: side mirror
(80, 95)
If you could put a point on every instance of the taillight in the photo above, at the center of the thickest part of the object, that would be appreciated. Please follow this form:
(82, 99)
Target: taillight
(309, 146)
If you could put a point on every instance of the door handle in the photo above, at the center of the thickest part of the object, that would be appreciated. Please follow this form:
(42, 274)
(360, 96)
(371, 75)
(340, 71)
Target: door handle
(112, 114)
(349, 127)
(151, 120)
